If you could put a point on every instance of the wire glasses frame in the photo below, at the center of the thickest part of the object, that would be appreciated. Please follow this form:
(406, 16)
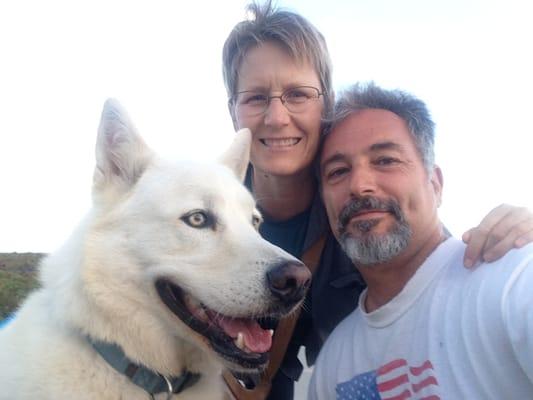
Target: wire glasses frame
(253, 102)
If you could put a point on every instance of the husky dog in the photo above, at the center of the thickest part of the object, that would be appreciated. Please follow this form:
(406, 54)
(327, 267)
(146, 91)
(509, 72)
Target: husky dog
(159, 288)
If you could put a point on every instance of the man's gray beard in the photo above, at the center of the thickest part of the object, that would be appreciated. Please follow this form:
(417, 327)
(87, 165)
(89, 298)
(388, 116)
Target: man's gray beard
(375, 249)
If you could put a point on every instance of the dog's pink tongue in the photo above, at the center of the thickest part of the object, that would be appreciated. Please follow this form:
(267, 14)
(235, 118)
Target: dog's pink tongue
(256, 338)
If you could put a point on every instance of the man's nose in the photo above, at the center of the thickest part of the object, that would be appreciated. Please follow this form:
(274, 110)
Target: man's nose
(276, 114)
(362, 181)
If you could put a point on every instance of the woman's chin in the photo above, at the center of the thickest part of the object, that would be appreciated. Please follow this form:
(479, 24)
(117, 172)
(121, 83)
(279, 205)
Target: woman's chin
(283, 169)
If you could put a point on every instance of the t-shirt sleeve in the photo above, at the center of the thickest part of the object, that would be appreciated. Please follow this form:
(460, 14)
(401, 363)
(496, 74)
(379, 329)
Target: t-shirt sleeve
(517, 311)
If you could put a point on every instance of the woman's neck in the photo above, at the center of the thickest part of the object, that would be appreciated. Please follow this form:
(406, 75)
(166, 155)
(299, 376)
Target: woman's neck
(283, 197)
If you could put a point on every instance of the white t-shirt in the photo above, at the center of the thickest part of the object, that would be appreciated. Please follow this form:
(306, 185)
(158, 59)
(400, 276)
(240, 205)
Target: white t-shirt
(451, 333)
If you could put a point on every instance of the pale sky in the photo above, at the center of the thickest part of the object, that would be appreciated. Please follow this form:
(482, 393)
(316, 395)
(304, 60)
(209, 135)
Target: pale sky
(468, 60)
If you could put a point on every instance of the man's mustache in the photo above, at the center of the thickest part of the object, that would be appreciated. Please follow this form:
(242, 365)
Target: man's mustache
(368, 203)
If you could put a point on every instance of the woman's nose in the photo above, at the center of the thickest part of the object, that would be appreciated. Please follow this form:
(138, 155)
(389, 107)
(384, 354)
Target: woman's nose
(276, 113)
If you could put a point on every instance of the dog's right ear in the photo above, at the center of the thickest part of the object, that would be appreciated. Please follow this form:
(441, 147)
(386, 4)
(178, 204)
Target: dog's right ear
(121, 154)
(237, 156)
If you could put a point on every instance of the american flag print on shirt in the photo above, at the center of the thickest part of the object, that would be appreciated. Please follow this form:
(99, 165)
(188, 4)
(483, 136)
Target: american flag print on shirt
(395, 380)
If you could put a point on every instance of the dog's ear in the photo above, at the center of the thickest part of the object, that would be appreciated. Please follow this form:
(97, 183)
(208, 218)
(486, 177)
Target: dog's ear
(237, 156)
(121, 154)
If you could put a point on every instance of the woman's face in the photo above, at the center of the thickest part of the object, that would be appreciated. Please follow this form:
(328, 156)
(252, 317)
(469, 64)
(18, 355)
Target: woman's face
(284, 143)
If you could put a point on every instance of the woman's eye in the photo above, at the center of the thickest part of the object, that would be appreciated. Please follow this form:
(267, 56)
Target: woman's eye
(294, 94)
(198, 219)
(256, 98)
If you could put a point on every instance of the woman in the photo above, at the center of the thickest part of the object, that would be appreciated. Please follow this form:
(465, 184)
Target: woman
(277, 73)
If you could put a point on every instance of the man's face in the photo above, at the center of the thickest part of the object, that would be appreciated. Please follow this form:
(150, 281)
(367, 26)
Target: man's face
(379, 197)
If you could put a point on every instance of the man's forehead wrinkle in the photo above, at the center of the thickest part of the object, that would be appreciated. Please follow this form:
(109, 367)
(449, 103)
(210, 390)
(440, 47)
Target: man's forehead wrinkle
(386, 146)
(340, 156)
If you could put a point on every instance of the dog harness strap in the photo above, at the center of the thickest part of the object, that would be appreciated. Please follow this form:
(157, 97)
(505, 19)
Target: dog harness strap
(141, 376)
(285, 329)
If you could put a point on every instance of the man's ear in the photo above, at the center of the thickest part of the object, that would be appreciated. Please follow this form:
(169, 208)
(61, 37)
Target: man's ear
(437, 181)
(237, 156)
(121, 154)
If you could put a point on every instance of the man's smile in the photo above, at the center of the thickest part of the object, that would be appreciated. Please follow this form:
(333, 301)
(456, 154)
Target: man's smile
(366, 214)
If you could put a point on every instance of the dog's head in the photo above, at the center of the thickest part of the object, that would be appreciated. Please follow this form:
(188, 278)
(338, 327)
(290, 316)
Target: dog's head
(174, 250)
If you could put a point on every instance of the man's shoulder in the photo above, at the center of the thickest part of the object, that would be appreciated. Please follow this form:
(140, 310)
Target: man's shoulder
(489, 283)
(524, 253)
(509, 264)
(504, 265)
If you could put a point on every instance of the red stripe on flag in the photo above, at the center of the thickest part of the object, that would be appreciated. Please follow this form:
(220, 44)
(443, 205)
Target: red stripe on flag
(418, 370)
(392, 383)
(392, 365)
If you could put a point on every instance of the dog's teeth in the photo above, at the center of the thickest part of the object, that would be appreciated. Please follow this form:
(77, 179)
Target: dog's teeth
(239, 342)
(271, 332)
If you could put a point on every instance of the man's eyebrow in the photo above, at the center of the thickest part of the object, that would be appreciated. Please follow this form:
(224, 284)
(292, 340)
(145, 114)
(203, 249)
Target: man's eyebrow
(335, 157)
(385, 146)
(373, 148)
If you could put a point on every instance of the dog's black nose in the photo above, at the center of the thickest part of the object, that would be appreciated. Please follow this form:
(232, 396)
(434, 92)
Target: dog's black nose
(289, 281)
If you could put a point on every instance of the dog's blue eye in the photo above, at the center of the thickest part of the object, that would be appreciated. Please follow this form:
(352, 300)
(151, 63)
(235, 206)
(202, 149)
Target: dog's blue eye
(198, 219)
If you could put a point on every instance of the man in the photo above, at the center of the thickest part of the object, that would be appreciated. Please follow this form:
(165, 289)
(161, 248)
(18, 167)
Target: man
(426, 327)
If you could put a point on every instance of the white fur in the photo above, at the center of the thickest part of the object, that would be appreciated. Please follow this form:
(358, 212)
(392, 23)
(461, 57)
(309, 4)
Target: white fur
(101, 282)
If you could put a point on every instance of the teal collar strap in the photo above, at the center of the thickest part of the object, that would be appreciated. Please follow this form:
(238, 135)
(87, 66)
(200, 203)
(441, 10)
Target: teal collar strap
(150, 381)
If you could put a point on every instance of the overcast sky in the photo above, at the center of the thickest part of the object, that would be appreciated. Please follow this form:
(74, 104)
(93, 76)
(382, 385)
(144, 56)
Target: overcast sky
(469, 60)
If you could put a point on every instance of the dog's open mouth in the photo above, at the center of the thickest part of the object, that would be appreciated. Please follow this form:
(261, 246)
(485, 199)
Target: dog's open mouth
(241, 341)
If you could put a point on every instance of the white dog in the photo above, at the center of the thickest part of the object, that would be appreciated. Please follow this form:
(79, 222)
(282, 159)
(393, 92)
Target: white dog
(158, 289)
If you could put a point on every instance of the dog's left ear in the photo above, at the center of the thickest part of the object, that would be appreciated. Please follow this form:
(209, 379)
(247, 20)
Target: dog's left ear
(121, 154)
(237, 156)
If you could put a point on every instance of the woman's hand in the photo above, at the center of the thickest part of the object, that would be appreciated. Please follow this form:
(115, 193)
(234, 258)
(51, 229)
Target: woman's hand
(504, 228)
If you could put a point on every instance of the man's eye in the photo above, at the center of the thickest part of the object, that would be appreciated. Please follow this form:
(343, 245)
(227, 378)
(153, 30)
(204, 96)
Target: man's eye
(386, 161)
(198, 219)
(336, 173)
